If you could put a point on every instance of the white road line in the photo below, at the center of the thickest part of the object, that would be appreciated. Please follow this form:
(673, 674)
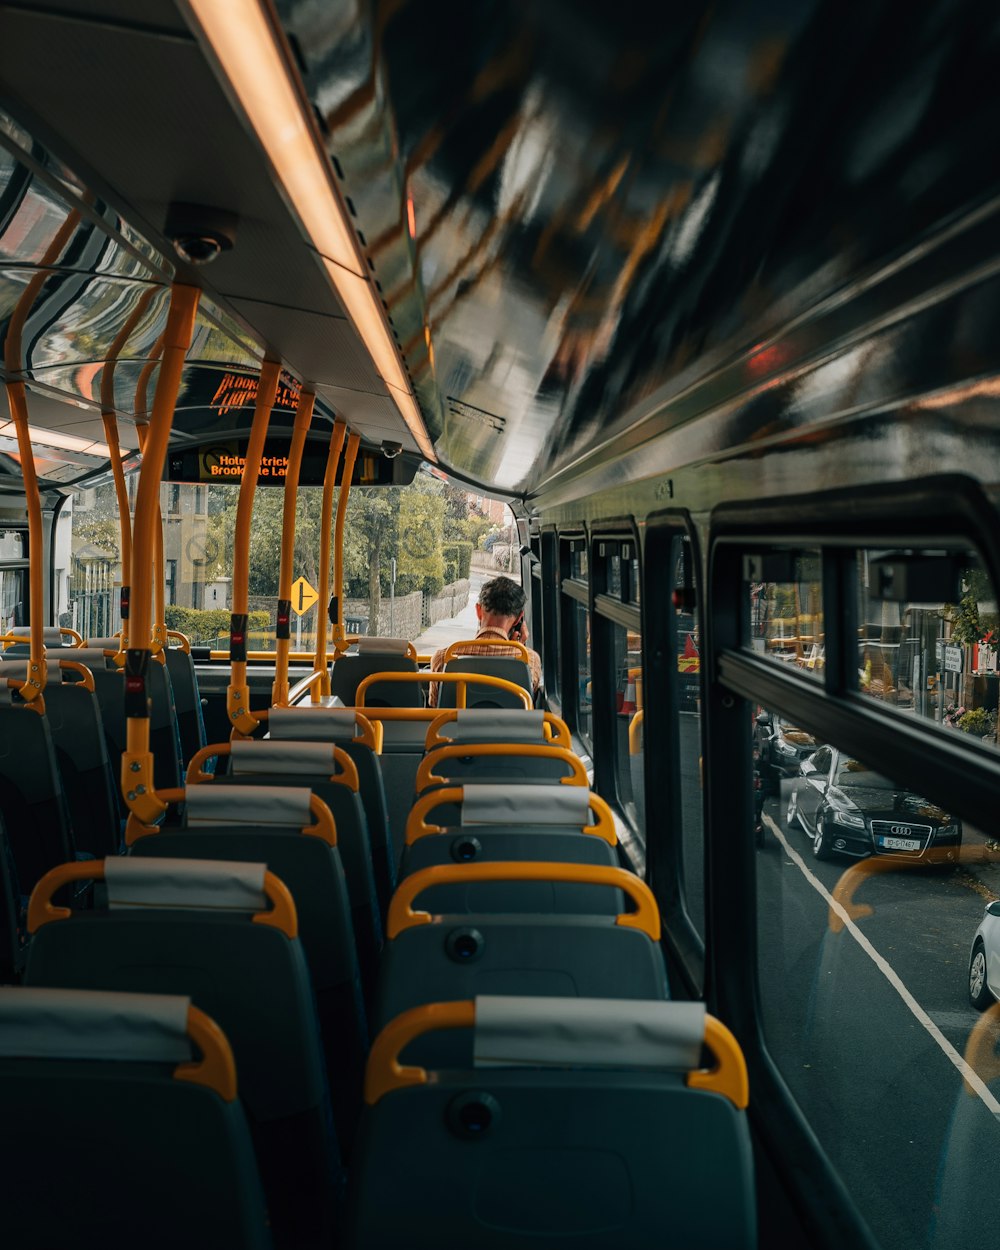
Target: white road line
(968, 1074)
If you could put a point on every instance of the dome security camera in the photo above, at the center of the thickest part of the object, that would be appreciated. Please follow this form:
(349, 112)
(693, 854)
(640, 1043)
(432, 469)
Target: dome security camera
(390, 449)
(199, 234)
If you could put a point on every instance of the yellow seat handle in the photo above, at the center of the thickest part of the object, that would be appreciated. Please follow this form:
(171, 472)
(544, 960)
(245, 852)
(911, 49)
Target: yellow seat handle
(427, 774)
(489, 646)
(384, 1073)
(402, 915)
(325, 827)
(217, 1068)
(462, 680)
(348, 775)
(41, 911)
(555, 729)
(417, 826)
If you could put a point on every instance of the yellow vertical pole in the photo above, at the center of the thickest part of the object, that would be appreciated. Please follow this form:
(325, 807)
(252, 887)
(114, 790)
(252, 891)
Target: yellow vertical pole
(325, 533)
(137, 760)
(338, 542)
(238, 696)
(14, 362)
(140, 407)
(303, 417)
(109, 415)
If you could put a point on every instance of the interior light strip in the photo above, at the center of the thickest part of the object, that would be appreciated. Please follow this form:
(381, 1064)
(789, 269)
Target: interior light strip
(252, 57)
(52, 438)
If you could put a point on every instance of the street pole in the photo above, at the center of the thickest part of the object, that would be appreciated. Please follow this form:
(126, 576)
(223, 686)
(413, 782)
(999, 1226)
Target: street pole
(392, 598)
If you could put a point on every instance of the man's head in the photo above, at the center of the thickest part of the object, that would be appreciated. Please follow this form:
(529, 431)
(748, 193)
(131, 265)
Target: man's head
(501, 602)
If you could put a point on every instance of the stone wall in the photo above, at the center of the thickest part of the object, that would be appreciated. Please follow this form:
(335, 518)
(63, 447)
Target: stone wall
(407, 615)
(448, 602)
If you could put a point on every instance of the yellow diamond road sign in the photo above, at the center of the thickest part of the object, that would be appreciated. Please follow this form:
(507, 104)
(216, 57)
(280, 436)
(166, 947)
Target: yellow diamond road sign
(303, 596)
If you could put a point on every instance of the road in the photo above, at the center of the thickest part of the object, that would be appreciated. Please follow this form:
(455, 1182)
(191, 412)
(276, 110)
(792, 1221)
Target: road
(870, 1023)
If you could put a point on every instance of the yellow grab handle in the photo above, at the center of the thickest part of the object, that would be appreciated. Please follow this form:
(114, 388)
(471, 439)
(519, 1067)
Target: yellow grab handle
(555, 729)
(490, 646)
(635, 733)
(217, 1068)
(86, 676)
(385, 1073)
(417, 826)
(183, 639)
(428, 776)
(462, 680)
(646, 916)
(71, 633)
(42, 912)
(348, 776)
(325, 828)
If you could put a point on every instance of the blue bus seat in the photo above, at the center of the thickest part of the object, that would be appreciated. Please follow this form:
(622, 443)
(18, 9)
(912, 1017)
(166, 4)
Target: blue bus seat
(361, 739)
(229, 823)
(330, 773)
(516, 762)
(553, 826)
(505, 667)
(187, 701)
(548, 1138)
(165, 1157)
(12, 931)
(434, 958)
(224, 934)
(472, 725)
(350, 670)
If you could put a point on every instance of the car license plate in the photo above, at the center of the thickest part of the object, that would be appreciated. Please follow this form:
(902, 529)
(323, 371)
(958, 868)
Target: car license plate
(900, 844)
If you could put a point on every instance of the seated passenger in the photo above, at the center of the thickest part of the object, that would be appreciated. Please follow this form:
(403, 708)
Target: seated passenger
(500, 611)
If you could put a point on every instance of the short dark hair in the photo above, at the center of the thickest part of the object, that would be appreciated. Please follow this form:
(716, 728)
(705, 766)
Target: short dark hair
(501, 597)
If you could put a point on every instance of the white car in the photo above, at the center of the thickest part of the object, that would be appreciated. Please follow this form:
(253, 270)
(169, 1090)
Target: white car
(984, 964)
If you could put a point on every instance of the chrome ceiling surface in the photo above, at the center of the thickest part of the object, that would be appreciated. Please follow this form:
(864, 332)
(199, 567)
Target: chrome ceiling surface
(604, 235)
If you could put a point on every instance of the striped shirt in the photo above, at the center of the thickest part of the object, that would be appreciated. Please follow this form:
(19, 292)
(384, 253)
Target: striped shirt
(488, 633)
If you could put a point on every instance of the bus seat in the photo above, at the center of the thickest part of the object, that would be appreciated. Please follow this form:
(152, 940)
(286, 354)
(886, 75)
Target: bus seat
(553, 826)
(52, 636)
(432, 958)
(225, 934)
(506, 667)
(164, 742)
(11, 931)
(341, 726)
(516, 762)
(164, 1157)
(375, 644)
(187, 701)
(350, 670)
(548, 1137)
(314, 764)
(32, 800)
(227, 823)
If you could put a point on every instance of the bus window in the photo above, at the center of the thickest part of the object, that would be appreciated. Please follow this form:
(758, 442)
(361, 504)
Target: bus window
(581, 620)
(688, 679)
(870, 919)
(629, 718)
(922, 655)
(786, 609)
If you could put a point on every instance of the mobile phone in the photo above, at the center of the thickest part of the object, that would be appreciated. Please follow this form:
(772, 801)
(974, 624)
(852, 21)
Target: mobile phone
(516, 627)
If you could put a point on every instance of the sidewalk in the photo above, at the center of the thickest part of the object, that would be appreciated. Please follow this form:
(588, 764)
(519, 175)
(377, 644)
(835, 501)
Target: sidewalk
(458, 628)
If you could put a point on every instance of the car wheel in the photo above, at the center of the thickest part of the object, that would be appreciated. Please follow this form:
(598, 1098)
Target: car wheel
(979, 992)
(792, 814)
(821, 844)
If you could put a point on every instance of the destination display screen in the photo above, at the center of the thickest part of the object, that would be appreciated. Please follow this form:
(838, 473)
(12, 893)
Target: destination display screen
(223, 460)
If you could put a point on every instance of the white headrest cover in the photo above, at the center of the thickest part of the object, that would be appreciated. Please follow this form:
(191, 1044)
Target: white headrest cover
(91, 656)
(311, 724)
(484, 804)
(19, 668)
(309, 759)
(51, 636)
(496, 725)
(280, 807)
(106, 644)
(588, 1032)
(211, 883)
(93, 1024)
(382, 646)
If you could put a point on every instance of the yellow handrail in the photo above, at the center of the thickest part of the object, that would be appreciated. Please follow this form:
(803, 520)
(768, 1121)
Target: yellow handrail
(488, 645)
(314, 679)
(137, 760)
(428, 773)
(338, 541)
(337, 436)
(238, 696)
(417, 826)
(461, 680)
(553, 728)
(635, 733)
(303, 417)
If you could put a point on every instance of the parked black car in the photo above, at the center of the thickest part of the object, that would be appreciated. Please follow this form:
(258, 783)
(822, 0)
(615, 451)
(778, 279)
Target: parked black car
(846, 808)
(782, 746)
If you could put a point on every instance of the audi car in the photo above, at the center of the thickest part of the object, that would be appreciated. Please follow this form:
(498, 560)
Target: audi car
(847, 809)
(782, 746)
(984, 962)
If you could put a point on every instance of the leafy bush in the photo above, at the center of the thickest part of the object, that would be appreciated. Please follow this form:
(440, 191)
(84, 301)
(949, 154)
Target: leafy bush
(976, 721)
(457, 561)
(205, 624)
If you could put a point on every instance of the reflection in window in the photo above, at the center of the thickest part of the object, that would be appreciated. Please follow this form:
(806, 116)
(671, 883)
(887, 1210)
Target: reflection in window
(584, 692)
(895, 988)
(933, 660)
(689, 734)
(579, 566)
(786, 614)
(12, 595)
(629, 717)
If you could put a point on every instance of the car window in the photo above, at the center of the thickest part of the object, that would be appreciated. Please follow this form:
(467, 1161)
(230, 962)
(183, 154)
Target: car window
(821, 759)
(852, 774)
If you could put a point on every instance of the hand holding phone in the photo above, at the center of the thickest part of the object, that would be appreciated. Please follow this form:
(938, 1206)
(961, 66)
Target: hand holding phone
(516, 631)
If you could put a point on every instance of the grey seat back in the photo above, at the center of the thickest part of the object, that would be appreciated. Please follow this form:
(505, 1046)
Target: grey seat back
(163, 733)
(574, 1123)
(32, 801)
(170, 1157)
(350, 670)
(187, 701)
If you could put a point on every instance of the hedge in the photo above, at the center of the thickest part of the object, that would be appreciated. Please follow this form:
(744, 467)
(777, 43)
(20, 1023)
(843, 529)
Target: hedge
(457, 561)
(205, 624)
